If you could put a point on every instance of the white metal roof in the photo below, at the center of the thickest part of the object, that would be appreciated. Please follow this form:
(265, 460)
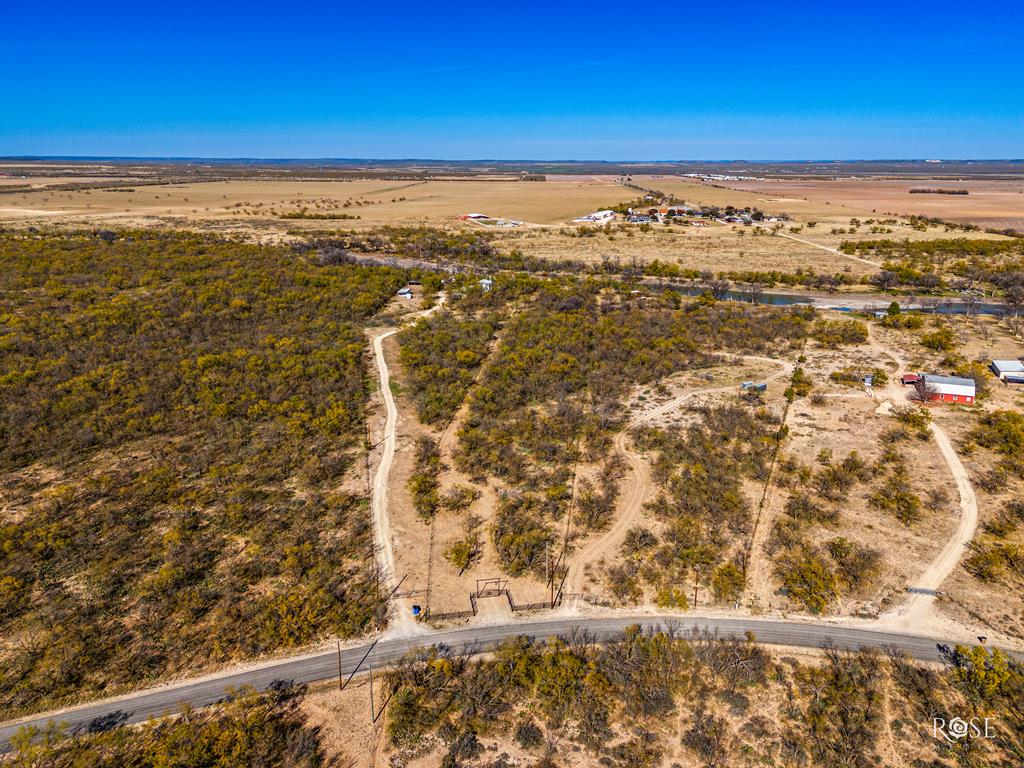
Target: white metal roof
(948, 385)
(1008, 366)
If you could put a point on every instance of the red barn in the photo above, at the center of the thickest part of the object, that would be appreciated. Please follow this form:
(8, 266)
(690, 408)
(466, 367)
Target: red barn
(947, 389)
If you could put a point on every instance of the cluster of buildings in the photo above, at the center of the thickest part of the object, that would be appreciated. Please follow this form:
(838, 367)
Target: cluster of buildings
(597, 217)
(680, 213)
(408, 291)
(932, 387)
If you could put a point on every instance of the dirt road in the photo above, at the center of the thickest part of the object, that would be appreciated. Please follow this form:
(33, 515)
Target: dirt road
(638, 483)
(836, 251)
(916, 611)
(401, 620)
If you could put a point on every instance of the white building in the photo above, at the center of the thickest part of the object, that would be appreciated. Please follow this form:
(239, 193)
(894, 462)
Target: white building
(1004, 368)
(596, 217)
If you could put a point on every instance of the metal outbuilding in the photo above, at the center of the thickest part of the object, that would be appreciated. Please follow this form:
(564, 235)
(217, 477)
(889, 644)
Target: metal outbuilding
(947, 389)
(1004, 368)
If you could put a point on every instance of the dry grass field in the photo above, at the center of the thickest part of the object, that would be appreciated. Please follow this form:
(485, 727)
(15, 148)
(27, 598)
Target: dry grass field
(989, 204)
(41, 182)
(259, 203)
(256, 208)
(693, 191)
(718, 247)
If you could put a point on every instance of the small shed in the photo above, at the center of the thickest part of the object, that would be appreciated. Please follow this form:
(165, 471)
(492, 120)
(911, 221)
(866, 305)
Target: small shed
(405, 293)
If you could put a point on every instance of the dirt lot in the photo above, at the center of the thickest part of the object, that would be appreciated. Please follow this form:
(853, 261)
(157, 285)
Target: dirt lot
(989, 204)
(673, 406)
(347, 730)
(846, 420)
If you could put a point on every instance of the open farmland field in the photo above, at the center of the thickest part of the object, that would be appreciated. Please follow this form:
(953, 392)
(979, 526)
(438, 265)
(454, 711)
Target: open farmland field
(988, 204)
(370, 203)
(286, 208)
(42, 182)
(717, 247)
(718, 193)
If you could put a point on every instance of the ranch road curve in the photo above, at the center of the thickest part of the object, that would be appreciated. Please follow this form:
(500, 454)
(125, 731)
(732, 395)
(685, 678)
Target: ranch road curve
(167, 699)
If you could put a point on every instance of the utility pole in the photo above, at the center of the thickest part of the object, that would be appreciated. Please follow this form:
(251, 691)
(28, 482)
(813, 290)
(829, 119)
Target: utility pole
(552, 601)
(547, 562)
(695, 573)
(341, 685)
(366, 454)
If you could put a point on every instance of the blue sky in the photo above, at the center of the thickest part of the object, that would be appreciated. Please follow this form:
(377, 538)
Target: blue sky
(555, 80)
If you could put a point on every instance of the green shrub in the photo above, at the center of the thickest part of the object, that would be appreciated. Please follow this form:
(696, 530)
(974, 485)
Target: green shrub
(942, 339)
(834, 333)
(423, 482)
(1003, 432)
(808, 579)
(727, 582)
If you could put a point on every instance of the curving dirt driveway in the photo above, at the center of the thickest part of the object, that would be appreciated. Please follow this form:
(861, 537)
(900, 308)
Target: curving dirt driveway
(917, 609)
(638, 484)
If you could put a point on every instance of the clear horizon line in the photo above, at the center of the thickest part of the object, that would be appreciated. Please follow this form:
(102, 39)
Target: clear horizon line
(243, 158)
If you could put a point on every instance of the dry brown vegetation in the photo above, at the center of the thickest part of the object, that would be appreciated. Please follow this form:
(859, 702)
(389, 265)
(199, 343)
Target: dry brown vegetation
(181, 419)
(663, 700)
(637, 701)
(989, 204)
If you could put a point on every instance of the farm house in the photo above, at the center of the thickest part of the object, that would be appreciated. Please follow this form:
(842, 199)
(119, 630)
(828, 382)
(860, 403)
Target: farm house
(596, 217)
(947, 389)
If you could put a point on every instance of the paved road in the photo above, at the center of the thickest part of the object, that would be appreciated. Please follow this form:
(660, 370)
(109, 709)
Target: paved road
(154, 702)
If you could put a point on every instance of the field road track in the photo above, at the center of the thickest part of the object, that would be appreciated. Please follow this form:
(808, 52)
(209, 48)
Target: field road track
(836, 251)
(401, 621)
(638, 484)
(138, 707)
(379, 500)
(915, 610)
